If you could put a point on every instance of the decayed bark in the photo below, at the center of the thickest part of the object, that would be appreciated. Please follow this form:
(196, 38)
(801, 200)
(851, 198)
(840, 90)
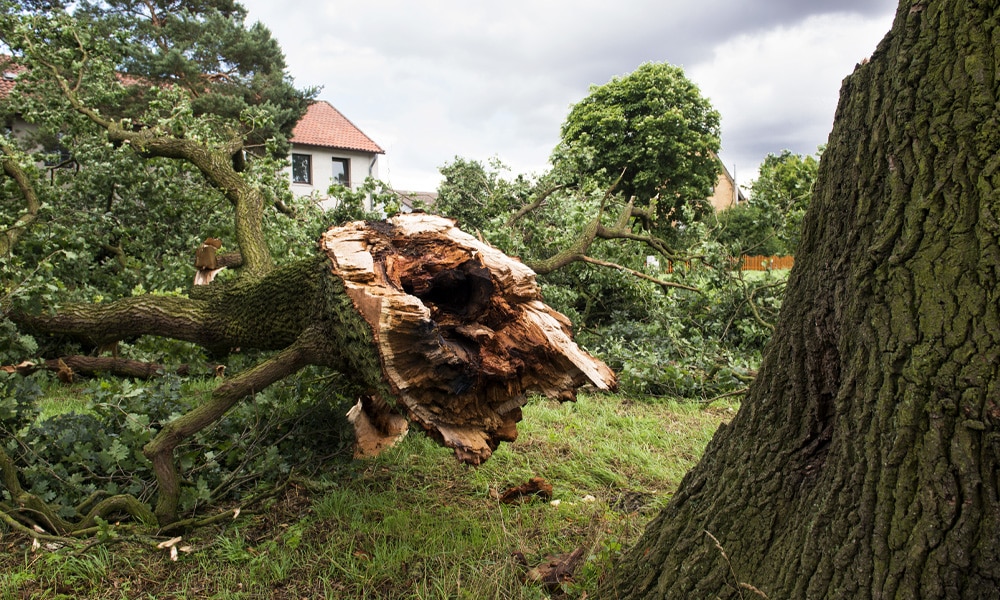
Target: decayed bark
(864, 462)
(430, 322)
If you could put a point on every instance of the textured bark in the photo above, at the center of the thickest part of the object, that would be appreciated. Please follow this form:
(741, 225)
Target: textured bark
(864, 462)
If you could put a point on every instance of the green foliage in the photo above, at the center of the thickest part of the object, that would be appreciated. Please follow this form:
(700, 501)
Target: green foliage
(770, 223)
(67, 457)
(117, 221)
(204, 48)
(653, 128)
(476, 194)
(752, 229)
(352, 204)
(684, 344)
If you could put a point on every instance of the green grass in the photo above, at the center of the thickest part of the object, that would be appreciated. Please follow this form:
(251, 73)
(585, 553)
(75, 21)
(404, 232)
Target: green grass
(414, 523)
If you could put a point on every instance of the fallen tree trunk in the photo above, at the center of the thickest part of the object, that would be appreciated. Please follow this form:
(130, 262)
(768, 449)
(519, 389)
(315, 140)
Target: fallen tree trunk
(427, 321)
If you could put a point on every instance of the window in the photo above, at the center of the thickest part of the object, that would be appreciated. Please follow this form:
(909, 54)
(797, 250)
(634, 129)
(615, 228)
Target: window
(302, 171)
(342, 172)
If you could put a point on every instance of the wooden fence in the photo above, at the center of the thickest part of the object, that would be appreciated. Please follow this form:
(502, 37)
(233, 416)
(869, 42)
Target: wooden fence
(763, 263)
(754, 263)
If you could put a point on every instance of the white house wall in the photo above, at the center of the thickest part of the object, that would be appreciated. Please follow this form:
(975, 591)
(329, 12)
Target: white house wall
(362, 165)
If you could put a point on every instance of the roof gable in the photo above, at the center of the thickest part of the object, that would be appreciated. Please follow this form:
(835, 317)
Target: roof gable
(324, 125)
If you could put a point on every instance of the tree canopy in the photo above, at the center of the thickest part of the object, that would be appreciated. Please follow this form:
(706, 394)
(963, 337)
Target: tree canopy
(206, 48)
(652, 129)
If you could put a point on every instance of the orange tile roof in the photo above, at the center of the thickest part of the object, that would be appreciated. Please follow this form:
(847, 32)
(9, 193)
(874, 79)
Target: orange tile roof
(9, 70)
(324, 125)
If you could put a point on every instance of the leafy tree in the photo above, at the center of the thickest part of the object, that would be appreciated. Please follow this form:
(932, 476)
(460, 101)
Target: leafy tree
(654, 131)
(204, 47)
(750, 228)
(475, 194)
(864, 463)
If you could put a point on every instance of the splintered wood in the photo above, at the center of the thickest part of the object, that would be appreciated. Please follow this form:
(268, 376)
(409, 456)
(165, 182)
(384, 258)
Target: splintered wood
(460, 327)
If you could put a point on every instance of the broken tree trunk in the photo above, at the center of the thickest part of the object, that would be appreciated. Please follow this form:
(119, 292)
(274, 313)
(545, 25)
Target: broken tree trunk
(430, 323)
(460, 329)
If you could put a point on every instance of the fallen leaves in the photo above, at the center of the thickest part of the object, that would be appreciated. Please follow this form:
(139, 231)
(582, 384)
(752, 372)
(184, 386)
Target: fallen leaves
(536, 487)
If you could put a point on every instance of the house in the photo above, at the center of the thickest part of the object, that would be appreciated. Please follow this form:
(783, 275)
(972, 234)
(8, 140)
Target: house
(725, 192)
(327, 149)
(9, 72)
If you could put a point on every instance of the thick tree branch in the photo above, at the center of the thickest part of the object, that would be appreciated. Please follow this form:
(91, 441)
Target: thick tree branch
(161, 448)
(538, 201)
(12, 168)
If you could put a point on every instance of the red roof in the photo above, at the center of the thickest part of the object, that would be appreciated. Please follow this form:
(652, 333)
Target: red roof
(324, 125)
(9, 70)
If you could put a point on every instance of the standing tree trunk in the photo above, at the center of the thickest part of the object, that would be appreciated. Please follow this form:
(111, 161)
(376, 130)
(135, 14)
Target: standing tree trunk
(864, 462)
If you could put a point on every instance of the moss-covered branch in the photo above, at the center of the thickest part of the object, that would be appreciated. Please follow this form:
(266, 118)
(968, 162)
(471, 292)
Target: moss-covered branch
(160, 450)
(267, 314)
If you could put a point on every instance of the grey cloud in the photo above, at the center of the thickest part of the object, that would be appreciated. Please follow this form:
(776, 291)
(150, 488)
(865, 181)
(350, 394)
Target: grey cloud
(502, 76)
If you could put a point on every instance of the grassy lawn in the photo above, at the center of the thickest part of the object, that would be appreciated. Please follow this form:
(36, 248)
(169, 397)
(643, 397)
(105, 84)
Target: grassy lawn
(413, 523)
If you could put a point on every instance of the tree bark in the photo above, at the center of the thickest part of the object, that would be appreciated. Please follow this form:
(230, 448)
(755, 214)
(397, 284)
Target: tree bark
(864, 461)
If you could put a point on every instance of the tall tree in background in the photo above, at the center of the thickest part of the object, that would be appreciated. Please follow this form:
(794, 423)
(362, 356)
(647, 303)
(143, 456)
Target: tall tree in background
(865, 461)
(654, 130)
(204, 47)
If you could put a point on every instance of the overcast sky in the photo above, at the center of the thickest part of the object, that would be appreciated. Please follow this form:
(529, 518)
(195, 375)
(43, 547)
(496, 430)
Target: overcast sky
(429, 80)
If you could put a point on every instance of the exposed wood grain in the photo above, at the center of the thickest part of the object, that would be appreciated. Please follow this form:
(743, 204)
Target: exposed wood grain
(460, 327)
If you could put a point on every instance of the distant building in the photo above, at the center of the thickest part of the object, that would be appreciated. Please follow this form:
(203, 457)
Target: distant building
(725, 193)
(9, 72)
(410, 200)
(327, 149)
